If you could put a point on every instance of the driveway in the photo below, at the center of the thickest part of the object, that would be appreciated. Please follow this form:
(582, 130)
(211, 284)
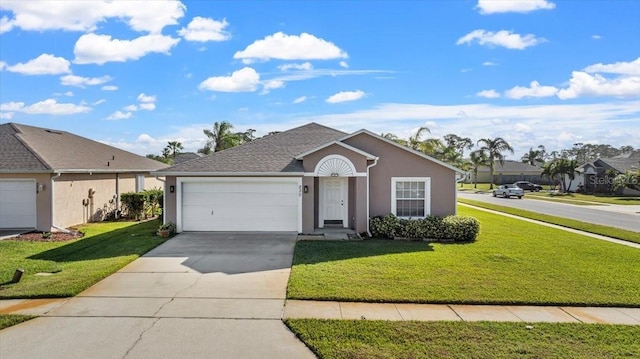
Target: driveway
(199, 295)
(607, 215)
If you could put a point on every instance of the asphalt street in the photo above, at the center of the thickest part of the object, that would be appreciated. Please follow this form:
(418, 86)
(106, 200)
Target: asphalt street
(602, 215)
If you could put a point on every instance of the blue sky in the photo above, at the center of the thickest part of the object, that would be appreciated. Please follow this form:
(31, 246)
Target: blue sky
(139, 74)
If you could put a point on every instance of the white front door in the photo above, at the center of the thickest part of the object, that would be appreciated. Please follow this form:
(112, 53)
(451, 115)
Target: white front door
(334, 205)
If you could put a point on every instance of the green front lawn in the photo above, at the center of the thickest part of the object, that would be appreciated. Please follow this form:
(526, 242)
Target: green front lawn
(333, 339)
(565, 222)
(64, 269)
(512, 262)
(7, 320)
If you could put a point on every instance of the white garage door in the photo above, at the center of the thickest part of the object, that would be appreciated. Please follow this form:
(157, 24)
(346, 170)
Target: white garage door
(17, 204)
(262, 204)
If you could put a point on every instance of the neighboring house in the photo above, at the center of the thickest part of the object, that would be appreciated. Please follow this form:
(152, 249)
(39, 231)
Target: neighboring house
(594, 175)
(185, 156)
(53, 179)
(509, 172)
(306, 178)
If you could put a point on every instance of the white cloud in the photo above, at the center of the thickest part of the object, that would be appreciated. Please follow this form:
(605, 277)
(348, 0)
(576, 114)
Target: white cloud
(119, 115)
(109, 88)
(487, 7)
(79, 81)
(130, 108)
(45, 64)
(303, 66)
(3, 65)
(621, 68)
(271, 85)
(290, 47)
(46, 107)
(502, 38)
(521, 127)
(99, 49)
(204, 29)
(99, 102)
(5, 24)
(596, 37)
(146, 98)
(243, 80)
(344, 64)
(148, 106)
(535, 90)
(345, 96)
(147, 16)
(488, 93)
(300, 99)
(584, 84)
(489, 63)
(6, 115)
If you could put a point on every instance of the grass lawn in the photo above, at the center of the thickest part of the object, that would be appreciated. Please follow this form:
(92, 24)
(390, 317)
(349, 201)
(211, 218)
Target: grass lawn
(579, 198)
(512, 262)
(7, 320)
(333, 339)
(74, 265)
(565, 222)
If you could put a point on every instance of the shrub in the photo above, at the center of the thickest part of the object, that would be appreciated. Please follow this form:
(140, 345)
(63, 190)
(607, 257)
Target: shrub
(457, 228)
(132, 204)
(152, 202)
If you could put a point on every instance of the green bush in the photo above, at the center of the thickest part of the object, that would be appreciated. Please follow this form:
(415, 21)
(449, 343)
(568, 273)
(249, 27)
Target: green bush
(132, 204)
(152, 202)
(457, 228)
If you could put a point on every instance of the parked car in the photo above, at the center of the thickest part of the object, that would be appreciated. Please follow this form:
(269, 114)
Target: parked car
(508, 190)
(528, 186)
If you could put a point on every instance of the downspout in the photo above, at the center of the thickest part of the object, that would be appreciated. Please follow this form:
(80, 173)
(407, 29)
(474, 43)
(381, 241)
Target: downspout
(375, 162)
(164, 198)
(51, 186)
(117, 199)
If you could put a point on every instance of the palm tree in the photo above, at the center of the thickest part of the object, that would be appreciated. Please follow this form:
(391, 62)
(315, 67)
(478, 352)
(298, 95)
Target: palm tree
(493, 149)
(477, 158)
(172, 149)
(550, 169)
(533, 157)
(221, 137)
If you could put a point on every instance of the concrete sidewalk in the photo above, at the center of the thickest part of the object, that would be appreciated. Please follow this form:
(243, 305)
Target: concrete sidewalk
(373, 311)
(460, 312)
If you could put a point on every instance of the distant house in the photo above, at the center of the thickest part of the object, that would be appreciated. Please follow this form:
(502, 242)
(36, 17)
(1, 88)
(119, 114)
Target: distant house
(52, 179)
(597, 176)
(307, 178)
(508, 172)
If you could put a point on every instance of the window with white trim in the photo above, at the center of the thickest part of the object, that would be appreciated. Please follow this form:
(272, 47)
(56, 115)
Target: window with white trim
(410, 196)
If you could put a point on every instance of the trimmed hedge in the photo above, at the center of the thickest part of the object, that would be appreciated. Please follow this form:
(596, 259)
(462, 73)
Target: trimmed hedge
(456, 228)
(136, 205)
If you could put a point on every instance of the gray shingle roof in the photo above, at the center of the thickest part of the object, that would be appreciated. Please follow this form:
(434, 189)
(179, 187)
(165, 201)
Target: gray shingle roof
(620, 164)
(274, 153)
(29, 149)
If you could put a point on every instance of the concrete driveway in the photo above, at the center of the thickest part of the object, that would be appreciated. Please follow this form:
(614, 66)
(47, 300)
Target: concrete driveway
(199, 295)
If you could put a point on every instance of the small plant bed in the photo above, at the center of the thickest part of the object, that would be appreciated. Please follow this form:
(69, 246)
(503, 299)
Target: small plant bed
(334, 339)
(62, 269)
(565, 222)
(48, 236)
(432, 228)
(7, 320)
(511, 262)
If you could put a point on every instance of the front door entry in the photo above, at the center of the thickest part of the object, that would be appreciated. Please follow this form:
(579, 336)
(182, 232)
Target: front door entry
(334, 201)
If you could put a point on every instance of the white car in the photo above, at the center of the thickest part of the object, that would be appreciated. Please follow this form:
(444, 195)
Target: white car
(508, 190)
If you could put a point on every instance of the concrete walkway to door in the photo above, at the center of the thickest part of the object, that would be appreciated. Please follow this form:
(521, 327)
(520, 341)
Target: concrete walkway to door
(199, 295)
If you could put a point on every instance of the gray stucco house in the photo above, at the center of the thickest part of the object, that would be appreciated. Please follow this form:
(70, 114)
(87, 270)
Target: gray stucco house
(307, 178)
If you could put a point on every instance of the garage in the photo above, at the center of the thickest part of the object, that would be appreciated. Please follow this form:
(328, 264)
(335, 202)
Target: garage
(239, 204)
(17, 203)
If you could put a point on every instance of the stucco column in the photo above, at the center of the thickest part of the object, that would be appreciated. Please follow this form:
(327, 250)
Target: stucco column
(308, 207)
(361, 205)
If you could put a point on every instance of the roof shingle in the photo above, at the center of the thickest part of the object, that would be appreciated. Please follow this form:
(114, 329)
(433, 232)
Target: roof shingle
(29, 148)
(269, 154)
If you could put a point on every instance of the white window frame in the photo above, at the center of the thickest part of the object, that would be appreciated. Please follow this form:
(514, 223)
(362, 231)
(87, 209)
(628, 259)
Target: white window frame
(140, 183)
(427, 194)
